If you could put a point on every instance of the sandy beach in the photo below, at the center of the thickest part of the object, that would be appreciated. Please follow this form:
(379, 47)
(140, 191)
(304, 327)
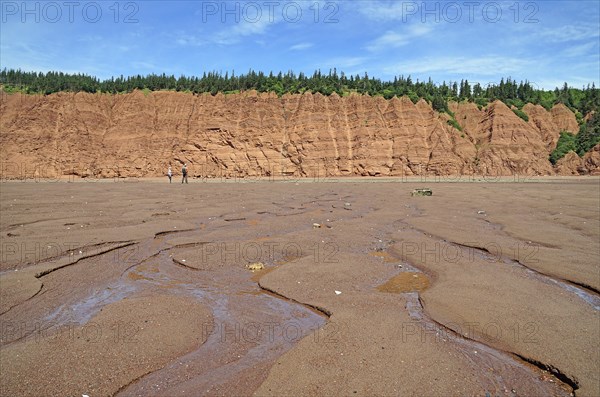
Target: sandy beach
(138, 287)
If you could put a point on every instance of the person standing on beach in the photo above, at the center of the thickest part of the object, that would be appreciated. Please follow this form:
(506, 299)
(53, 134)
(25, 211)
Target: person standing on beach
(184, 172)
(170, 174)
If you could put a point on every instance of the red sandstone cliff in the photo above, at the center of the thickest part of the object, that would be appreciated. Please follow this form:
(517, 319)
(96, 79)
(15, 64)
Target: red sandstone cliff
(253, 134)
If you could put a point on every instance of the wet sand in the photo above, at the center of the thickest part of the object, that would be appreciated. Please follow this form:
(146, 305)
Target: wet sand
(141, 287)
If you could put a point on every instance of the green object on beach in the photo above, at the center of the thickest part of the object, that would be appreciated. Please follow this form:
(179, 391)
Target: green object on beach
(422, 192)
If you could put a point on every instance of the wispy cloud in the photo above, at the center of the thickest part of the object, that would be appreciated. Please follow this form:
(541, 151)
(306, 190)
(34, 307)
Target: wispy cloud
(486, 66)
(241, 30)
(574, 81)
(581, 50)
(186, 39)
(92, 38)
(430, 12)
(301, 46)
(231, 34)
(143, 65)
(344, 62)
(18, 54)
(379, 11)
(563, 34)
(393, 39)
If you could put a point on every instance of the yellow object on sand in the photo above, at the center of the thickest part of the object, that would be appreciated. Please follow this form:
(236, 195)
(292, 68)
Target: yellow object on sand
(255, 266)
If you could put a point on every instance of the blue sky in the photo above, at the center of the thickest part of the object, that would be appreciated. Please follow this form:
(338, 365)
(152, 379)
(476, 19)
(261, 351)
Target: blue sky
(545, 42)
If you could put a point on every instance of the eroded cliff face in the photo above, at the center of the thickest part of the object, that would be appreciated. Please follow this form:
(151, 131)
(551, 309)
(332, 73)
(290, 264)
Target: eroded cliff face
(252, 134)
(572, 164)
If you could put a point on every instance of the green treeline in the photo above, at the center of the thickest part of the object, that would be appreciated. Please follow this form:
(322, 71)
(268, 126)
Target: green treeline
(581, 101)
(586, 139)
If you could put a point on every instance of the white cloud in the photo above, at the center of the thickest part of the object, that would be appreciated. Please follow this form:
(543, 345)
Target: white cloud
(563, 34)
(230, 35)
(378, 11)
(344, 62)
(301, 46)
(489, 66)
(572, 81)
(433, 12)
(388, 39)
(22, 55)
(185, 39)
(241, 30)
(143, 65)
(94, 38)
(581, 50)
(392, 39)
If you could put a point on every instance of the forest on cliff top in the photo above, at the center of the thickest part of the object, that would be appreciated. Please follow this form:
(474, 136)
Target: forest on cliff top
(515, 94)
